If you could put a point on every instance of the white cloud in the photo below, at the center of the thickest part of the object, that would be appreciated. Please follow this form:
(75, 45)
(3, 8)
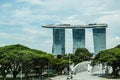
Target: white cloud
(103, 13)
(113, 41)
(67, 5)
(26, 16)
(113, 30)
(11, 36)
(22, 13)
(6, 5)
(31, 30)
(37, 31)
(35, 2)
(31, 14)
(117, 38)
(113, 23)
(74, 19)
(114, 18)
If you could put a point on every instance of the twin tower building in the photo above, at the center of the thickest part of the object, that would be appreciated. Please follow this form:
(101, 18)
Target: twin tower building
(78, 33)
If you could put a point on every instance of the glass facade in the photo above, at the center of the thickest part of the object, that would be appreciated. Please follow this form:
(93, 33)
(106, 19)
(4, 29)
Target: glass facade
(99, 38)
(78, 38)
(58, 41)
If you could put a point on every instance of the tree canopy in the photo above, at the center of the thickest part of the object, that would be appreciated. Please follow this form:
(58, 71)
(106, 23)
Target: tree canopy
(15, 57)
(82, 54)
(110, 57)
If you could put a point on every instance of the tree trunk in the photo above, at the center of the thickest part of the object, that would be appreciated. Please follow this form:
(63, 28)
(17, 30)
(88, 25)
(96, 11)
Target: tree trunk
(15, 74)
(4, 77)
(26, 76)
(115, 71)
(40, 74)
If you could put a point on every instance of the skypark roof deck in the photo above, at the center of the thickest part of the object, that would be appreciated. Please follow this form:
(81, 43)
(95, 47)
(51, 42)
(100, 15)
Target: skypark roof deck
(75, 26)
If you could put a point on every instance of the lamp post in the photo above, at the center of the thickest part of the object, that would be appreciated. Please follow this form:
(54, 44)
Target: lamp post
(70, 75)
(48, 70)
(21, 71)
(69, 65)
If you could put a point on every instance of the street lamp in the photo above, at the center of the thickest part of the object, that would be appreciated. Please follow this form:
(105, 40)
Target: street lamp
(70, 75)
(21, 71)
(69, 66)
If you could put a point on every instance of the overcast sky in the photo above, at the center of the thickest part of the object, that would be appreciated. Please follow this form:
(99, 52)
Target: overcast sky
(21, 21)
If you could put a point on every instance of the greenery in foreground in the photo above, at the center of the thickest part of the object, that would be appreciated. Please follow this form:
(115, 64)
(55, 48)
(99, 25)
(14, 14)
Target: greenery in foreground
(110, 57)
(81, 54)
(33, 63)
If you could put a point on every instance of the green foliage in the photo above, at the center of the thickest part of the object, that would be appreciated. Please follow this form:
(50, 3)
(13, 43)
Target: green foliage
(75, 59)
(59, 64)
(59, 56)
(13, 57)
(81, 54)
(118, 46)
(110, 57)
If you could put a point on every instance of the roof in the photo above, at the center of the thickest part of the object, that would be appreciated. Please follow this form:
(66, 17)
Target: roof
(75, 26)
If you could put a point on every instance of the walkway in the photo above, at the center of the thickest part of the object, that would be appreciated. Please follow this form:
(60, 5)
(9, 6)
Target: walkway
(83, 76)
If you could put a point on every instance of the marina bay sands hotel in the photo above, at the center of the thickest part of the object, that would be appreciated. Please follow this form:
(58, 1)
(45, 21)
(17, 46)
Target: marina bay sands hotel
(78, 33)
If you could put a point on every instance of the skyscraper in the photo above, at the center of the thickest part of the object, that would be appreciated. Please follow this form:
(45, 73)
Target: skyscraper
(78, 38)
(58, 41)
(78, 32)
(99, 39)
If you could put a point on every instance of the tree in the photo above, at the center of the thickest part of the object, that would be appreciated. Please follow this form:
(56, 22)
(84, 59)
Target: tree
(15, 57)
(82, 54)
(4, 68)
(59, 56)
(110, 57)
(59, 64)
(118, 46)
(27, 62)
(75, 59)
(40, 62)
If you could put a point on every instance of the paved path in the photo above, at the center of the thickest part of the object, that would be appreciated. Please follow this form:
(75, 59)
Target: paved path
(61, 77)
(83, 76)
(88, 76)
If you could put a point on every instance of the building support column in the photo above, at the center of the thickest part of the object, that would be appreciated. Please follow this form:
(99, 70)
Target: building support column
(58, 41)
(78, 39)
(99, 39)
